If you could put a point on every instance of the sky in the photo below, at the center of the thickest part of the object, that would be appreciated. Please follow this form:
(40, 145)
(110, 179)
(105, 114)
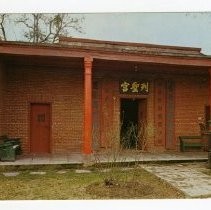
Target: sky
(181, 29)
(163, 28)
(175, 23)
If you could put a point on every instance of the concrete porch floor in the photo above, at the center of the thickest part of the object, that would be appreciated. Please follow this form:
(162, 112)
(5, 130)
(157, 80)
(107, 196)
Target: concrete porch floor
(125, 157)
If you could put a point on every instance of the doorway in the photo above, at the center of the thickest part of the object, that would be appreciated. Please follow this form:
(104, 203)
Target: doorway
(40, 128)
(133, 121)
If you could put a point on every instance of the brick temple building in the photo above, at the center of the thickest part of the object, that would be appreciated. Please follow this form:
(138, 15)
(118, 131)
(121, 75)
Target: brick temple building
(80, 95)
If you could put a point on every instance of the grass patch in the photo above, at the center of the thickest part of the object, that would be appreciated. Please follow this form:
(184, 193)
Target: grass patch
(136, 183)
(6, 168)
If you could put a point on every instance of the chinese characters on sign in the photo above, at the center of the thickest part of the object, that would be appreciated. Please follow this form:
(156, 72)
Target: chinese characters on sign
(134, 87)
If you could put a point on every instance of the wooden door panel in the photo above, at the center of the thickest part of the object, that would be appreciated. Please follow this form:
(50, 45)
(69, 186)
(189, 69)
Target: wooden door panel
(40, 128)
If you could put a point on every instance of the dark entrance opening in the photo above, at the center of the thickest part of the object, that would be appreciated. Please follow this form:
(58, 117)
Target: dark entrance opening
(129, 123)
(133, 123)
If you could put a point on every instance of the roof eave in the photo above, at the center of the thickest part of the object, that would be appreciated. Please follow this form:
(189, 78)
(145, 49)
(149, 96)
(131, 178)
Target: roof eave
(57, 50)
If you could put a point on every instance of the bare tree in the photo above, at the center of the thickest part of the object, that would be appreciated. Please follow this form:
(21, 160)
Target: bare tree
(40, 28)
(2, 27)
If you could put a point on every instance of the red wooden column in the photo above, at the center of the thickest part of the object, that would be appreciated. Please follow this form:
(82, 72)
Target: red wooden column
(87, 144)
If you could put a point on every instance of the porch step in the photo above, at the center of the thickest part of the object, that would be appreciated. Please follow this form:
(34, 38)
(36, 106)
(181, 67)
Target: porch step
(79, 162)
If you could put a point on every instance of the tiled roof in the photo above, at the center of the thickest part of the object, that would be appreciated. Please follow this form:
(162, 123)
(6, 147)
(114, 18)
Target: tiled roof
(115, 47)
(127, 47)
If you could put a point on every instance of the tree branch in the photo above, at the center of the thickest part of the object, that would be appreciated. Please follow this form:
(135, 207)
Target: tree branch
(2, 26)
(48, 27)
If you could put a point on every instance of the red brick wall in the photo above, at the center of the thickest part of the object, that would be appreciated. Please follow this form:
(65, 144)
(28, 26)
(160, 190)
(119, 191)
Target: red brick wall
(2, 86)
(191, 98)
(191, 95)
(110, 116)
(63, 88)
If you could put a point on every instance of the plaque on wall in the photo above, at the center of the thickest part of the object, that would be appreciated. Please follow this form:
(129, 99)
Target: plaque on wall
(134, 87)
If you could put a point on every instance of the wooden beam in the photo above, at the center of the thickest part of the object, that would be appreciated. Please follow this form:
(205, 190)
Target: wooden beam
(40, 51)
(62, 51)
(158, 59)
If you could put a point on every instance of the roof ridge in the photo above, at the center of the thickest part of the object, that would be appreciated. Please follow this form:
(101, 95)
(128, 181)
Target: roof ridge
(135, 44)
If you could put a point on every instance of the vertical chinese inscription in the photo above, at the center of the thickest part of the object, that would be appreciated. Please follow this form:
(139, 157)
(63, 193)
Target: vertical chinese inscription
(107, 111)
(160, 102)
(96, 115)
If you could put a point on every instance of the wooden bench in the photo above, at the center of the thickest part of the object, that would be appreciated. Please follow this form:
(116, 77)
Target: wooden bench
(190, 142)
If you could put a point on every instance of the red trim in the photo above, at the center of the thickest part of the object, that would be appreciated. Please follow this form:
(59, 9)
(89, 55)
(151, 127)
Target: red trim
(7, 48)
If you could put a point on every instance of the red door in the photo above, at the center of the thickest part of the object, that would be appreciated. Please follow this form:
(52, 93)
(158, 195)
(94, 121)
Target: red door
(40, 128)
